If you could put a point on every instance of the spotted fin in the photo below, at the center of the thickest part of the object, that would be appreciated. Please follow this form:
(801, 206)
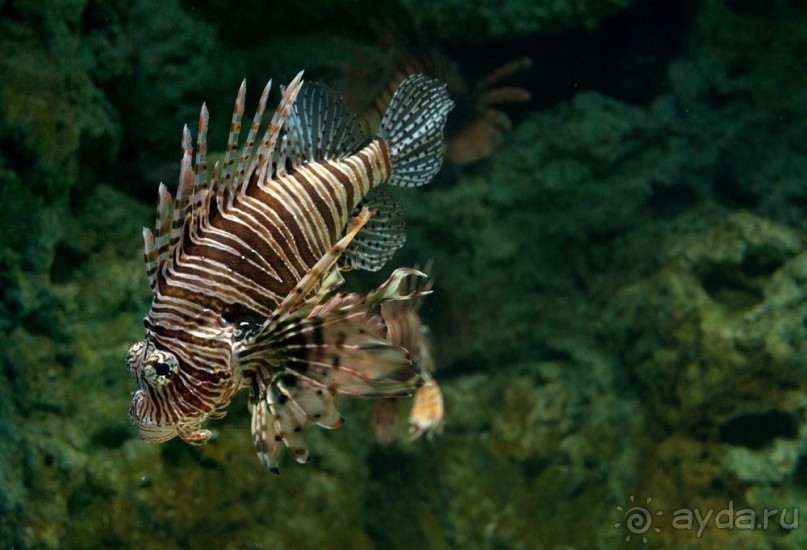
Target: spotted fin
(289, 420)
(314, 353)
(280, 416)
(312, 400)
(383, 235)
(338, 353)
(361, 361)
(321, 127)
(268, 443)
(339, 346)
(413, 126)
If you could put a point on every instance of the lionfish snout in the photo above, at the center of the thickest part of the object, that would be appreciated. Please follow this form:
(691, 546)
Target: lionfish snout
(153, 371)
(165, 404)
(150, 429)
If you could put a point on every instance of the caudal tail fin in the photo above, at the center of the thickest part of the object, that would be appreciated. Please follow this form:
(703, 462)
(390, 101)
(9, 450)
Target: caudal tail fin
(413, 129)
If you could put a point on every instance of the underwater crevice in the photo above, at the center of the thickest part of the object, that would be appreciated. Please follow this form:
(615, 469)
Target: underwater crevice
(67, 260)
(111, 437)
(625, 58)
(731, 194)
(740, 286)
(667, 202)
(757, 430)
(726, 286)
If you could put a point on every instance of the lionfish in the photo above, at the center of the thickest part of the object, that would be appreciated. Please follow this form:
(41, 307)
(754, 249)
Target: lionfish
(405, 328)
(242, 265)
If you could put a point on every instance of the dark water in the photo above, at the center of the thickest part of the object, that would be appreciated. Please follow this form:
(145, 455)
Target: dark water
(620, 305)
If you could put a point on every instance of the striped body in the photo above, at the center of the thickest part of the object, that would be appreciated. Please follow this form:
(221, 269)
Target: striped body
(249, 257)
(242, 263)
(256, 249)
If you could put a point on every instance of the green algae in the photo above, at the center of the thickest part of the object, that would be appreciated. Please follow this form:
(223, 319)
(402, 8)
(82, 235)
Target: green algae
(614, 288)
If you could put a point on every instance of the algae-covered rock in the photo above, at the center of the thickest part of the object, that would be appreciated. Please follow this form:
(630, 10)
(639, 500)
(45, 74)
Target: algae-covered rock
(523, 447)
(52, 118)
(527, 227)
(619, 303)
(157, 63)
(722, 318)
(735, 81)
(771, 465)
(48, 97)
(714, 340)
(472, 21)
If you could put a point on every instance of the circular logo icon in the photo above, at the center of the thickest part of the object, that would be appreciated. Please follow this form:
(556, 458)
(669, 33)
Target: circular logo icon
(638, 520)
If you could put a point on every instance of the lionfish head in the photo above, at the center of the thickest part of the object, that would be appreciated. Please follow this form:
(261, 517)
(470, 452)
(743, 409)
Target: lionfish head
(160, 407)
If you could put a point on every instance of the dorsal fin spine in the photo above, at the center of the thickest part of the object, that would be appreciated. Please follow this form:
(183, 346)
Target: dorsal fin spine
(264, 154)
(151, 257)
(235, 132)
(163, 224)
(217, 184)
(246, 151)
(184, 187)
(183, 192)
(194, 191)
(201, 150)
(200, 168)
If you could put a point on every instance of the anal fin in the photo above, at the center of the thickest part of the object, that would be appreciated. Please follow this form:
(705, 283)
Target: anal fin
(380, 238)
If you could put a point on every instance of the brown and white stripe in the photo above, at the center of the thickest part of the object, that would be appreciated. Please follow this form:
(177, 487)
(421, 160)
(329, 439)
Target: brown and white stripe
(255, 243)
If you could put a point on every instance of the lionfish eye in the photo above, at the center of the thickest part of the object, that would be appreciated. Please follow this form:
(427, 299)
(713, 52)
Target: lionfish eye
(160, 367)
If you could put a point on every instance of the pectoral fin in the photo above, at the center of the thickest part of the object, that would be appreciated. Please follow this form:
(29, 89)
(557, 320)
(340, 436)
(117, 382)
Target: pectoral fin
(338, 347)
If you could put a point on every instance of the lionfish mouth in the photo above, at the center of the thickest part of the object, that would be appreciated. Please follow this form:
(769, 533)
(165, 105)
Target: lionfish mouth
(149, 430)
(157, 434)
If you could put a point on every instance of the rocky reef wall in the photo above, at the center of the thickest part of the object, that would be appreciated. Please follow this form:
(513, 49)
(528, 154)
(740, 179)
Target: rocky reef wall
(620, 305)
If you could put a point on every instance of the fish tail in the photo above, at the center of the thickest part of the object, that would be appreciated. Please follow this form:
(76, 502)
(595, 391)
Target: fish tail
(412, 127)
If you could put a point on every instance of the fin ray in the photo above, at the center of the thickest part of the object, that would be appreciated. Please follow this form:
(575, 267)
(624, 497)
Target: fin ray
(321, 127)
(383, 235)
(267, 445)
(413, 127)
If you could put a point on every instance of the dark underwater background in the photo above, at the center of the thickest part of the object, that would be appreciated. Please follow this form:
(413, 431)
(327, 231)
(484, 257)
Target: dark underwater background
(620, 303)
